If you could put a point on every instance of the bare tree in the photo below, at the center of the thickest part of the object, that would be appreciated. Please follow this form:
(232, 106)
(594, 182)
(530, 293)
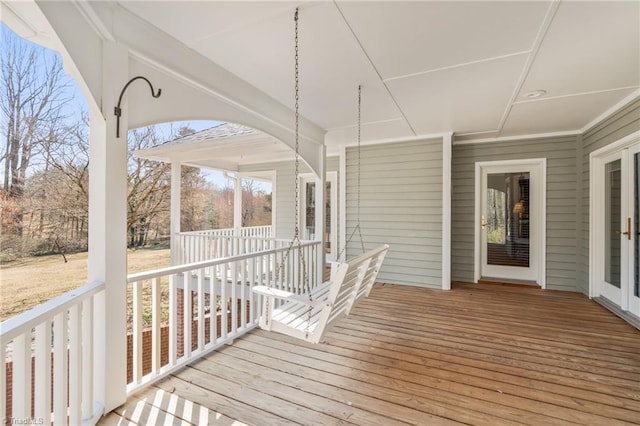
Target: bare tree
(33, 97)
(149, 186)
(256, 204)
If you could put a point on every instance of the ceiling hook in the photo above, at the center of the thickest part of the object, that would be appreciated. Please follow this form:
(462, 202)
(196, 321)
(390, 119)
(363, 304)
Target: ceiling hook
(118, 111)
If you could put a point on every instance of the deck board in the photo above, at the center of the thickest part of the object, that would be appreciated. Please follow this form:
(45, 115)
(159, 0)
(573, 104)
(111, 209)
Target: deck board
(478, 354)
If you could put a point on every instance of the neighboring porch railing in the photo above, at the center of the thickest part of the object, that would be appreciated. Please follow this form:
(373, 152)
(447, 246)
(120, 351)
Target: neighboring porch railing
(263, 231)
(180, 313)
(48, 360)
(198, 246)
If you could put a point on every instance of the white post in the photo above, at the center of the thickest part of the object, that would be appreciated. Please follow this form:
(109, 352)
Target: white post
(321, 200)
(446, 211)
(237, 205)
(176, 194)
(341, 253)
(107, 230)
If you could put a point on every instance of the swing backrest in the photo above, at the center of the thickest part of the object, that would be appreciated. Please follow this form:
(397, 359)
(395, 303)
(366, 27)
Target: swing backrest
(376, 257)
(347, 281)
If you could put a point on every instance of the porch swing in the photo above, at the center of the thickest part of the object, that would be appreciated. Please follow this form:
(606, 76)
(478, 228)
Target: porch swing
(308, 316)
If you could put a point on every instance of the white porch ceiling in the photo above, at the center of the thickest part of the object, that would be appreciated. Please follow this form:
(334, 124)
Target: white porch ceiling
(425, 67)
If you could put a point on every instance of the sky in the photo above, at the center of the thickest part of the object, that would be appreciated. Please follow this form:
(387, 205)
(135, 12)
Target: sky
(78, 104)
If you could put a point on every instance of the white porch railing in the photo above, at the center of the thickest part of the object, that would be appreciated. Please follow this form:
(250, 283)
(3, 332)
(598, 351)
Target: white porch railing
(176, 314)
(180, 313)
(263, 231)
(49, 354)
(198, 246)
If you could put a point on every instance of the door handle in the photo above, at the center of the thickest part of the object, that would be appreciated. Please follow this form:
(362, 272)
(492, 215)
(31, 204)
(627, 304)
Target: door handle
(483, 223)
(628, 231)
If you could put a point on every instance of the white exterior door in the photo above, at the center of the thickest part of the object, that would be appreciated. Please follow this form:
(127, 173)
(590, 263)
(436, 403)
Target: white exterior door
(615, 225)
(510, 221)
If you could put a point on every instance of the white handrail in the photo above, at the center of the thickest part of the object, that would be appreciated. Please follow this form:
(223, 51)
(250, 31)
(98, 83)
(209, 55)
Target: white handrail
(14, 326)
(205, 263)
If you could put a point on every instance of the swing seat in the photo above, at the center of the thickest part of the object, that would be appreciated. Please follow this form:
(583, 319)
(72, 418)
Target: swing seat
(308, 318)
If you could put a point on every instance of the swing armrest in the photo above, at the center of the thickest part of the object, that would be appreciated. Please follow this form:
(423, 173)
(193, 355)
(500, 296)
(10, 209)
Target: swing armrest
(284, 295)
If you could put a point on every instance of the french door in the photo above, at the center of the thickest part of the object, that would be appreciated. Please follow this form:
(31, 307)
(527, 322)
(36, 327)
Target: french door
(615, 225)
(510, 217)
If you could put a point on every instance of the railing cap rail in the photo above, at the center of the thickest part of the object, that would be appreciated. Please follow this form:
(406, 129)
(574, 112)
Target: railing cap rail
(239, 237)
(223, 230)
(178, 269)
(17, 325)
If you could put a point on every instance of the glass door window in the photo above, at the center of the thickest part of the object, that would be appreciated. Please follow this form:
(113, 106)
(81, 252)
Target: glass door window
(511, 217)
(507, 219)
(613, 222)
(616, 206)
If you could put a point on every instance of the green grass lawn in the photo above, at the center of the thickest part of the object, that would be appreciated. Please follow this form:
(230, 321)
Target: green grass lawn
(28, 282)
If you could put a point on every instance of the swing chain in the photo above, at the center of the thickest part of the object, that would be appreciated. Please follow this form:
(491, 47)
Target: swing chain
(359, 130)
(357, 227)
(301, 259)
(296, 233)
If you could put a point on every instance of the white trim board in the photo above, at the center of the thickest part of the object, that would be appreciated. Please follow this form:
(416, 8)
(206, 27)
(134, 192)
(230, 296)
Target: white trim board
(446, 211)
(331, 148)
(611, 111)
(520, 138)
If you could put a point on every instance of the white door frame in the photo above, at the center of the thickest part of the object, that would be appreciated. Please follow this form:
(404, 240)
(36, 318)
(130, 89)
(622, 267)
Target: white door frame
(539, 210)
(333, 178)
(597, 160)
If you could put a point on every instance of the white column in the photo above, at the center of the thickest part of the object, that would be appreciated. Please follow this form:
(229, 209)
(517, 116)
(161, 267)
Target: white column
(342, 206)
(176, 191)
(446, 211)
(237, 205)
(321, 199)
(107, 230)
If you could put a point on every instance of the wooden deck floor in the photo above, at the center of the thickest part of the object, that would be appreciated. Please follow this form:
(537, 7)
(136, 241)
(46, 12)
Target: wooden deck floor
(479, 354)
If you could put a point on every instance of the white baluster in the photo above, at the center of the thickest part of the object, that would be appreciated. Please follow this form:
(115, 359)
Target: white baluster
(42, 407)
(137, 331)
(234, 302)
(186, 300)
(87, 358)
(201, 338)
(173, 325)
(156, 311)
(75, 365)
(223, 270)
(60, 368)
(213, 306)
(22, 376)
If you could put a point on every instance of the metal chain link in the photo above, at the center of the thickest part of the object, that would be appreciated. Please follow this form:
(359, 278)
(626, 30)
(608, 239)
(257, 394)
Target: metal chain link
(359, 130)
(296, 233)
(297, 129)
(357, 227)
